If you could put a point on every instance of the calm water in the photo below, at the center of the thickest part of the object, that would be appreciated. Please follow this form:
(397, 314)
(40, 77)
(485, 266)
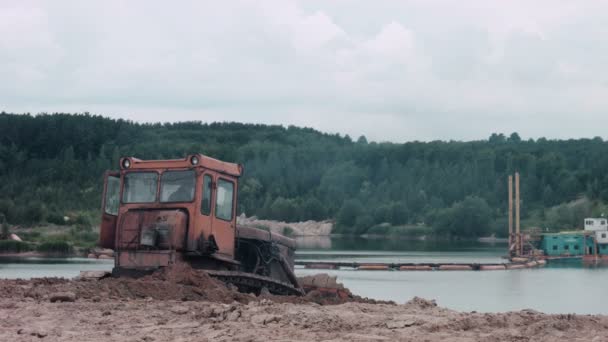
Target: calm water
(13, 268)
(560, 287)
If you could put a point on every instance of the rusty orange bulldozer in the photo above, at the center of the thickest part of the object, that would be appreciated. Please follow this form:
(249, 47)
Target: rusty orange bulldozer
(156, 213)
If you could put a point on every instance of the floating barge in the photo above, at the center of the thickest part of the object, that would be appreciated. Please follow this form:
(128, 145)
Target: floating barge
(589, 244)
(431, 266)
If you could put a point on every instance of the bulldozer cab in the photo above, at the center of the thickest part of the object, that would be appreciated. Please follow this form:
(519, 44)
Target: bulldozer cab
(153, 208)
(158, 213)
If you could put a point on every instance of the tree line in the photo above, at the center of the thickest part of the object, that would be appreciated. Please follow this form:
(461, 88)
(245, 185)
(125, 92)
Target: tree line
(51, 165)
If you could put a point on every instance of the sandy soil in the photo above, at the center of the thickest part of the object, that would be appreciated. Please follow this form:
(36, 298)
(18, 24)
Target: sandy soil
(174, 307)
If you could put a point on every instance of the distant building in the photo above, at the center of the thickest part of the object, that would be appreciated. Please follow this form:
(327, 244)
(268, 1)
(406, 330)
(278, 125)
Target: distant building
(596, 224)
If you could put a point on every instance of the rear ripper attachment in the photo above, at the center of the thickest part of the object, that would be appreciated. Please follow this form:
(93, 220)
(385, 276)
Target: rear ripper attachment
(156, 213)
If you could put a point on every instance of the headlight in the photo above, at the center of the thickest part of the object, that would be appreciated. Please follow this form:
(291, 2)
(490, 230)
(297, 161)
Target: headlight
(194, 160)
(126, 163)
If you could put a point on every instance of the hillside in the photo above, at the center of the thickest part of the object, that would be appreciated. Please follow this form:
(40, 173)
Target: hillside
(52, 165)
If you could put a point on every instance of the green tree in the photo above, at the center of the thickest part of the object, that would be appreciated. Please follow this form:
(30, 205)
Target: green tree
(4, 234)
(350, 210)
(283, 209)
(514, 137)
(53, 164)
(313, 209)
(363, 223)
(362, 140)
(470, 217)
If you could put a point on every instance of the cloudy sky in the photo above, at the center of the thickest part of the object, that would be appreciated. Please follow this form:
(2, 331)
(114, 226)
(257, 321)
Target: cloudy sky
(390, 70)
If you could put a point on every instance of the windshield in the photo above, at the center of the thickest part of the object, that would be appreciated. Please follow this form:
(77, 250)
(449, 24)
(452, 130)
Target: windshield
(177, 186)
(140, 187)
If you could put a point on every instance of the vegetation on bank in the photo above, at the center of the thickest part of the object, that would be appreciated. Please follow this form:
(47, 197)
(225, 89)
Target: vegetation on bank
(62, 248)
(51, 167)
(10, 246)
(51, 239)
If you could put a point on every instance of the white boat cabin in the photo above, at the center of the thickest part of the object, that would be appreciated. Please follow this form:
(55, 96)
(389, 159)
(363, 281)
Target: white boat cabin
(596, 224)
(601, 236)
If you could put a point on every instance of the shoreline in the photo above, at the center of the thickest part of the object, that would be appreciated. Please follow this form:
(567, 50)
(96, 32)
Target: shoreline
(323, 229)
(87, 254)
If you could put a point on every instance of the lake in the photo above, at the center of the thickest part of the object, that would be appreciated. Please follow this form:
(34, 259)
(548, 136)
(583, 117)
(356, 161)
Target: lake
(560, 287)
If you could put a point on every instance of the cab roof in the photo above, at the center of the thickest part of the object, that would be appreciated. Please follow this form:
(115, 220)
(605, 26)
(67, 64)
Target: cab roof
(203, 161)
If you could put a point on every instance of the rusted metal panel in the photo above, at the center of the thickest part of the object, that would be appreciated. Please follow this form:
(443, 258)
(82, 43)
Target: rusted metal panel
(200, 226)
(519, 260)
(510, 210)
(162, 229)
(455, 268)
(224, 231)
(143, 259)
(518, 235)
(203, 161)
(372, 267)
(107, 229)
(415, 268)
(321, 266)
(198, 229)
(532, 263)
(492, 267)
(248, 232)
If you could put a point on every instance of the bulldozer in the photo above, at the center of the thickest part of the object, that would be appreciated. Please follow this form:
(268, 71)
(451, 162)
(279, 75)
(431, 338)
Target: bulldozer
(158, 213)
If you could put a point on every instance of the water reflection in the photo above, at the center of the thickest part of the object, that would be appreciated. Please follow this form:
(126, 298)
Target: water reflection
(25, 268)
(350, 243)
(357, 249)
(313, 242)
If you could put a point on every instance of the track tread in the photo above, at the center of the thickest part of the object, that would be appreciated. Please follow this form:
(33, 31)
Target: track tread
(249, 280)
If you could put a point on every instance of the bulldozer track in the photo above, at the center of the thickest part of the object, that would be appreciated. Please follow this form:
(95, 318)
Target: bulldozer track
(252, 282)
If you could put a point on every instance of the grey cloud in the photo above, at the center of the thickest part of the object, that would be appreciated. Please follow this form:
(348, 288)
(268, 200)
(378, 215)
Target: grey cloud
(390, 70)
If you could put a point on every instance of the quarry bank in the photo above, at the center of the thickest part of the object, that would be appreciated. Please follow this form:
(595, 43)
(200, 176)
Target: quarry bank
(306, 229)
(309, 234)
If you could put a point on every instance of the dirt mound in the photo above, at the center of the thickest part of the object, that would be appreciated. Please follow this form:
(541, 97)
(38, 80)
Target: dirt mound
(184, 304)
(155, 289)
(266, 320)
(326, 290)
(179, 282)
(174, 283)
(421, 303)
(195, 284)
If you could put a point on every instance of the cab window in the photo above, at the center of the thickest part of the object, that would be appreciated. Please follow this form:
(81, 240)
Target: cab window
(112, 195)
(177, 186)
(224, 200)
(140, 187)
(206, 203)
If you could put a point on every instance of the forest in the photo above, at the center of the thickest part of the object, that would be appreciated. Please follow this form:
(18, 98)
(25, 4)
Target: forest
(51, 166)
